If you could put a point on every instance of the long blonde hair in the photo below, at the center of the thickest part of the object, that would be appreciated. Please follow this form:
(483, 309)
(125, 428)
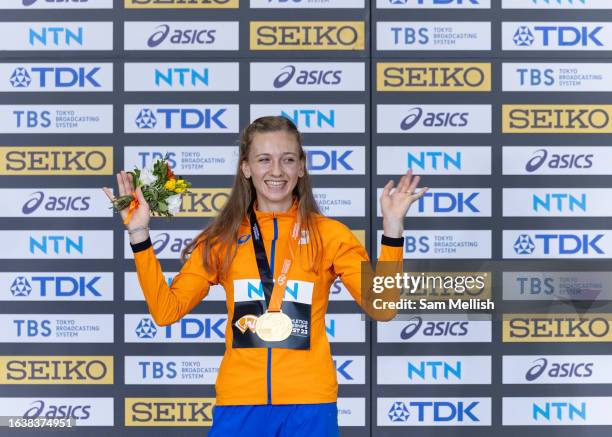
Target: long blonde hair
(222, 232)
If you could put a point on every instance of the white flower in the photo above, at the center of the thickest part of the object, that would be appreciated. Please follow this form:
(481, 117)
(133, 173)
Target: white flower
(174, 204)
(146, 176)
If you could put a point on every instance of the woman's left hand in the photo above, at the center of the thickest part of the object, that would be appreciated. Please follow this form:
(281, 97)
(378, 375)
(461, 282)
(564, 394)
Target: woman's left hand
(394, 205)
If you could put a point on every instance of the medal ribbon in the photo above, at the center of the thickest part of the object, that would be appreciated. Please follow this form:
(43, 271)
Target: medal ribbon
(273, 290)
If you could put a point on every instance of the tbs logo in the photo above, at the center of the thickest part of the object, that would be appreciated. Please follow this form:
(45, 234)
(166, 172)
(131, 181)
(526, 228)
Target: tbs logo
(32, 119)
(558, 36)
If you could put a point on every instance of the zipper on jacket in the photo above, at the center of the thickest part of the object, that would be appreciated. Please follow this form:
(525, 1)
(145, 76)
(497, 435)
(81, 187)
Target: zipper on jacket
(269, 369)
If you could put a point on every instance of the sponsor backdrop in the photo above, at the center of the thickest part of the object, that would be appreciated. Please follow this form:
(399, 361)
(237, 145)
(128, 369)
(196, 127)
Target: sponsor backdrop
(502, 105)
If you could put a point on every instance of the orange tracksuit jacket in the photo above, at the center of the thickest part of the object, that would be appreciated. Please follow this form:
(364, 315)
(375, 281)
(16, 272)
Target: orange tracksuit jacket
(264, 375)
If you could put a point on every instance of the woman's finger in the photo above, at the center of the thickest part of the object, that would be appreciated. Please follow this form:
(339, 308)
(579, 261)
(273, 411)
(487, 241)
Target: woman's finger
(130, 181)
(405, 182)
(387, 188)
(140, 196)
(108, 193)
(121, 185)
(414, 184)
(420, 194)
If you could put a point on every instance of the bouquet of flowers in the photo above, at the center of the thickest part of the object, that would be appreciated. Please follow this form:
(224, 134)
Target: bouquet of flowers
(161, 188)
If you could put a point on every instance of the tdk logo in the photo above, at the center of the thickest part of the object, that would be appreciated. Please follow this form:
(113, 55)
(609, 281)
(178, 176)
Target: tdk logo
(181, 36)
(318, 160)
(559, 202)
(188, 328)
(559, 370)
(163, 241)
(184, 118)
(56, 36)
(55, 203)
(21, 287)
(559, 411)
(181, 76)
(560, 36)
(434, 411)
(562, 244)
(416, 325)
(541, 158)
(311, 117)
(58, 286)
(146, 329)
(56, 77)
(449, 202)
(56, 244)
(291, 74)
(434, 160)
(433, 119)
(343, 369)
(398, 412)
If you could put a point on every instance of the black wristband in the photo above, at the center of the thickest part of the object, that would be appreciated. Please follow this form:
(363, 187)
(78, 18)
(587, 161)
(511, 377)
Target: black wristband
(143, 245)
(393, 242)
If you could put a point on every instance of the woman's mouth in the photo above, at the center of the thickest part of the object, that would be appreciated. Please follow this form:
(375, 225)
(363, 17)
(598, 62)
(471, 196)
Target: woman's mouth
(275, 185)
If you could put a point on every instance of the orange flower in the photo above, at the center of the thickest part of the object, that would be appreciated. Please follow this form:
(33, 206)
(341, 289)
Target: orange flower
(169, 173)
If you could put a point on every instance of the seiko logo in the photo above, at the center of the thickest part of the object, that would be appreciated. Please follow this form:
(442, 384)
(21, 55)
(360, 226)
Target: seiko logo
(61, 370)
(561, 118)
(73, 160)
(344, 36)
(433, 77)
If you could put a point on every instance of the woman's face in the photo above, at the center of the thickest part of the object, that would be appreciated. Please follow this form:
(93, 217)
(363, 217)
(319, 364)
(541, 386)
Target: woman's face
(274, 166)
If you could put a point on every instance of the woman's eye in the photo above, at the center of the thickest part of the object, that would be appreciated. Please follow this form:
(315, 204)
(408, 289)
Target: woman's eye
(263, 159)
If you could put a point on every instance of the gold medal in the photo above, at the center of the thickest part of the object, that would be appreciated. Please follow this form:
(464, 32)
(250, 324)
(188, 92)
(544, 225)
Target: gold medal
(273, 326)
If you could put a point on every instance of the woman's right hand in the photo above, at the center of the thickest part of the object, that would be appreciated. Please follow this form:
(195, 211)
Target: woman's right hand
(141, 216)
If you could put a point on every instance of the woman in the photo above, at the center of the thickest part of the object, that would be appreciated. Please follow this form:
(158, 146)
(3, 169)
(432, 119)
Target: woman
(276, 257)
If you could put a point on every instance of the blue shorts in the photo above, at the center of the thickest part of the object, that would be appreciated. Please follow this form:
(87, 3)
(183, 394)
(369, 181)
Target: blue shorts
(295, 420)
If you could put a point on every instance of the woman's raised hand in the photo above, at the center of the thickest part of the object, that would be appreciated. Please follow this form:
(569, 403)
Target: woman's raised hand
(394, 205)
(141, 216)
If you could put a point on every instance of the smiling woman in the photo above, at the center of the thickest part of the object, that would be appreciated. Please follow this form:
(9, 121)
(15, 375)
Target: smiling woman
(276, 256)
